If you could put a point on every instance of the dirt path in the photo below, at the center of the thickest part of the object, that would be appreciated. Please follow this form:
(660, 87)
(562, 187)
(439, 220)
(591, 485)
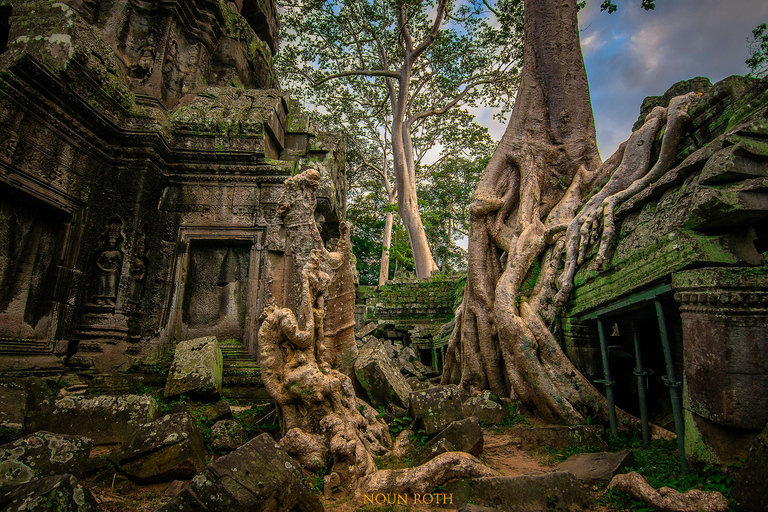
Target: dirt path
(501, 453)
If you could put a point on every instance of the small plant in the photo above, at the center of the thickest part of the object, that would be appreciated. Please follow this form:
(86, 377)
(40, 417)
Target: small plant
(143, 389)
(658, 462)
(399, 424)
(513, 415)
(420, 437)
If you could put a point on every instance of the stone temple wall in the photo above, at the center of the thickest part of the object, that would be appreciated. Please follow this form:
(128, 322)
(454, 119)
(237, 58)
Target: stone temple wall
(696, 244)
(143, 147)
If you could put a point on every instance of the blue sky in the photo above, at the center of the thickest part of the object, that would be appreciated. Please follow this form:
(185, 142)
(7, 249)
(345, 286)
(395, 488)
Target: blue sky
(633, 53)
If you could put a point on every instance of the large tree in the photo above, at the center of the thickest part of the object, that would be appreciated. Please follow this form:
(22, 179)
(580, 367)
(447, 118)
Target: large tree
(428, 56)
(528, 208)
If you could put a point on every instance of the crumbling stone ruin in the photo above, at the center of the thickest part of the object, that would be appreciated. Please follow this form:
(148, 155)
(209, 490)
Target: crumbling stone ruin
(172, 223)
(144, 147)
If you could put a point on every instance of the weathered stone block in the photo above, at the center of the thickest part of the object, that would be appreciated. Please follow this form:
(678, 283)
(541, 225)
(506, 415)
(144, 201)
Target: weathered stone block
(59, 492)
(559, 491)
(170, 448)
(598, 467)
(13, 410)
(484, 408)
(559, 438)
(460, 436)
(42, 454)
(227, 435)
(752, 479)
(379, 377)
(197, 368)
(105, 419)
(256, 476)
(435, 408)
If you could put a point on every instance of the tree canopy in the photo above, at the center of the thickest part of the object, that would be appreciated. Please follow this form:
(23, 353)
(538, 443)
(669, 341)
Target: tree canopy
(413, 64)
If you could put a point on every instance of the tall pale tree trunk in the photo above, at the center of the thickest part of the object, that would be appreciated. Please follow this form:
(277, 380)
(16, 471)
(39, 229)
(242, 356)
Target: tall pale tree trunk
(528, 195)
(405, 180)
(386, 243)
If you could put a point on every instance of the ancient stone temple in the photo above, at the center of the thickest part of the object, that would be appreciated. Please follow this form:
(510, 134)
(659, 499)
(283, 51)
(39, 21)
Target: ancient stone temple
(143, 148)
(681, 308)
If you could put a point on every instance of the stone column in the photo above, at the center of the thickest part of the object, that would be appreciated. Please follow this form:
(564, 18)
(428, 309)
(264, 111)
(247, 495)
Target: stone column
(725, 342)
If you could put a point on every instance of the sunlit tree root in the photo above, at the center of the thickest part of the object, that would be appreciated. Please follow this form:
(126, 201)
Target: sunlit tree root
(631, 177)
(424, 478)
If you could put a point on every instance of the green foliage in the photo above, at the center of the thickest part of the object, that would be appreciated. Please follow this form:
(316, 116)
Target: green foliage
(143, 389)
(526, 287)
(659, 463)
(159, 368)
(342, 55)
(397, 425)
(758, 59)
(611, 7)
(513, 415)
(420, 437)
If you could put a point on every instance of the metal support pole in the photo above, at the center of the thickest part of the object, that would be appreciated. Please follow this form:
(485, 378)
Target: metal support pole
(674, 387)
(607, 378)
(642, 382)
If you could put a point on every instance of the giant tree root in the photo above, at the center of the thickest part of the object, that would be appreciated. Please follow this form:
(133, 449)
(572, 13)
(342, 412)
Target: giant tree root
(667, 499)
(422, 479)
(502, 338)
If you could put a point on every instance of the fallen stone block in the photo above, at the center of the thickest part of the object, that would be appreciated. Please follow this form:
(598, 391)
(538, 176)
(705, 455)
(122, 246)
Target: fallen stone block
(197, 369)
(598, 467)
(435, 408)
(228, 435)
(559, 437)
(460, 436)
(53, 493)
(752, 480)
(548, 492)
(256, 476)
(170, 448)
(105, 419)
(13, 410)
(366, 330)
(42, 454)
(667, 499)
(378, 376)
(484, 408)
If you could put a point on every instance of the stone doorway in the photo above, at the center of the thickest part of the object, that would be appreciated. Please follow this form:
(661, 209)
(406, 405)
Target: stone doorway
(32, 240)
(217, 289)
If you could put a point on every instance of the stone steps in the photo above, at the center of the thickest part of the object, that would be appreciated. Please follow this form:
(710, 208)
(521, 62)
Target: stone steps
(25, 347)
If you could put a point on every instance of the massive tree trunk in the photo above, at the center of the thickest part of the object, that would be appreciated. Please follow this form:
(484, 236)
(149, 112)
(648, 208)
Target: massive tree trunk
(524, 211)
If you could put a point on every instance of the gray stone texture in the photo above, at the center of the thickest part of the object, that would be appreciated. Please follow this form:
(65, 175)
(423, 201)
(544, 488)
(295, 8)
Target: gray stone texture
(256, 476)
(559, 437)
(484, 408)
(598, 467)
(170, 448)
(228, 435)
(435, 408)
(105, 419)
(197, 369)
(752, 480)
(54, 493)
(549, 492)
(13, 409)
(42, 454)
(460, 436)
(379, 377)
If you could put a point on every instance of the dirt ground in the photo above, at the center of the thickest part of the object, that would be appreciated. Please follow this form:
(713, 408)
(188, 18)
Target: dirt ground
(500, 453)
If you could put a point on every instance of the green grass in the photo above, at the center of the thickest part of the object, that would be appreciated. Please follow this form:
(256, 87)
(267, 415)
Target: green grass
(660, 465)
